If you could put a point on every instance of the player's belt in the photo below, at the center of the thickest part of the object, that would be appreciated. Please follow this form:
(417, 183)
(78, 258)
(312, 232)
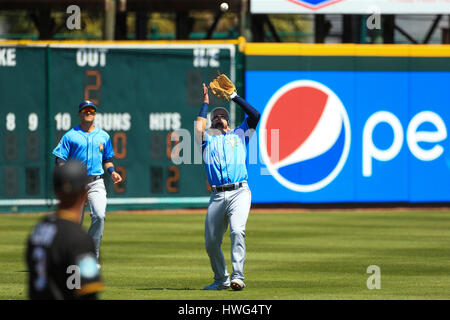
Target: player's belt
(93, 178)
(227, 187)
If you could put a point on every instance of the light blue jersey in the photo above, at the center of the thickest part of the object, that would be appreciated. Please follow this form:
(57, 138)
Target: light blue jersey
(225, 156)
(90, 148)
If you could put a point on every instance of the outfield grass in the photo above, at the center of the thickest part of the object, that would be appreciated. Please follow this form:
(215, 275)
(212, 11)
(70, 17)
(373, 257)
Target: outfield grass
(309, 255)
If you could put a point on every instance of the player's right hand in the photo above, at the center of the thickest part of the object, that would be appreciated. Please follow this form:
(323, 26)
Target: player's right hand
(116, 178)
(205, 94)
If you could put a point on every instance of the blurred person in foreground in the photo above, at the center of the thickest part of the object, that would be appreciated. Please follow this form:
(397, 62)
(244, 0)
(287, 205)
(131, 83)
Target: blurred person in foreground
(60, 254)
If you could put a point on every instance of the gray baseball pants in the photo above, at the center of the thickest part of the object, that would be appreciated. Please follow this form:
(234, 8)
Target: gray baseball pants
(96, 199)
(233, 208)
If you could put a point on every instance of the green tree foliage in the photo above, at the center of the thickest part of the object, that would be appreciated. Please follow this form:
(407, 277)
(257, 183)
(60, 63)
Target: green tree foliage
(160, 25)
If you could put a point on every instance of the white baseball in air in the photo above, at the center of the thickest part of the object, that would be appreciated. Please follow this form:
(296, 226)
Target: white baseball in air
(224, 6)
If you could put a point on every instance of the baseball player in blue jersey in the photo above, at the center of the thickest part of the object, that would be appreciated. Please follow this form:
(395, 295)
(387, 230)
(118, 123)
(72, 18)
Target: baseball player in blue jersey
(92, 146)
(224, 154)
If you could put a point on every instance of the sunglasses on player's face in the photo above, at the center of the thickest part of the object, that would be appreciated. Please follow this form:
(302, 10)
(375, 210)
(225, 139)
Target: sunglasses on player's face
(88, 110)
(222, 116)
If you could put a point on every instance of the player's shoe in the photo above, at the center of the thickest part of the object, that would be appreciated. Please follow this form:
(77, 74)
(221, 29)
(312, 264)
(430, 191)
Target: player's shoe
(217, 286)
(237, 284)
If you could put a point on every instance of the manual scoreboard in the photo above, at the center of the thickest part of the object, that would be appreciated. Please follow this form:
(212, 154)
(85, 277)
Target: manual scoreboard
(148, 97)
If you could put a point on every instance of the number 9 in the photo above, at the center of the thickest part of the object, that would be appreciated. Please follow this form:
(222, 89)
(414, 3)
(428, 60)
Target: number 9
(33, 121)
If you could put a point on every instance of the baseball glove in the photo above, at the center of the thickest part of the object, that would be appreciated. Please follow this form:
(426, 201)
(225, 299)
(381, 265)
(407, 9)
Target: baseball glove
(222, 87)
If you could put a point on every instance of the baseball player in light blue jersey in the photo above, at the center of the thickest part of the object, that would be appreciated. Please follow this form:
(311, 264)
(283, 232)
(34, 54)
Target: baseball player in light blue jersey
(224, 155)
(92, 146)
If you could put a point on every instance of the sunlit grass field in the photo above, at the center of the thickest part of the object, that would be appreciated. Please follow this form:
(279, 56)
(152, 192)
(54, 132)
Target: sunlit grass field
(293, 255)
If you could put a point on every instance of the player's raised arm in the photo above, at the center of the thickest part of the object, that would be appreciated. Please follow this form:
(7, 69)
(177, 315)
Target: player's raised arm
(200, 124)
(224, 88)
(252, 113)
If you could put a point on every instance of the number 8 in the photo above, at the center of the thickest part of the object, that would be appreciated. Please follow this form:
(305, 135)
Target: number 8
(10, 121)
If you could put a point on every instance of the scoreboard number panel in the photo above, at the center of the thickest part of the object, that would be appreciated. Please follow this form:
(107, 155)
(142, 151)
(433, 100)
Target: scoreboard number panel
(10, 150)
(148, 97)
(22, 126)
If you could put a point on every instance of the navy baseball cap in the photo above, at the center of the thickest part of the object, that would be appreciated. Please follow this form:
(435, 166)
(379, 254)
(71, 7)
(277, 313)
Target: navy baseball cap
(213, 113)
(86, 103)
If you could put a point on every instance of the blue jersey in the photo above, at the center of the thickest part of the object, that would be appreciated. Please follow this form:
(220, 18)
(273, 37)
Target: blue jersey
(90, 148)
(225, 156)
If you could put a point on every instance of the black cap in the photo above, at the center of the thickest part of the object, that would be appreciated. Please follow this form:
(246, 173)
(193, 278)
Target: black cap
(86, 103)
(70, 178)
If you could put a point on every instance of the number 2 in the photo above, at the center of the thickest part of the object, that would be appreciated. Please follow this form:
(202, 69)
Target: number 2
(93, 87)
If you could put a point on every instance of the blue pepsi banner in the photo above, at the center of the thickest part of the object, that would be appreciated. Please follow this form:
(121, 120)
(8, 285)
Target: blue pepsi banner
(350, 136)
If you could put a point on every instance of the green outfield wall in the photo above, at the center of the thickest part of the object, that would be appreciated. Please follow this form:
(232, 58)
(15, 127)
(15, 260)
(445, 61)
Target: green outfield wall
(148, 96)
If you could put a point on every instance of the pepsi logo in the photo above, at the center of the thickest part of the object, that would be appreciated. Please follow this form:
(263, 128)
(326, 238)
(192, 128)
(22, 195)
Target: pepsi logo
(304, 135)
